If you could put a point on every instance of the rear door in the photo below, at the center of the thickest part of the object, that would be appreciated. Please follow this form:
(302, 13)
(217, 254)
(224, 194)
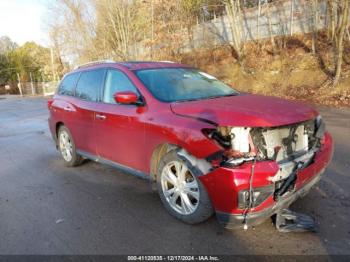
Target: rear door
(82, 116)
(61, 107)
(120, 130)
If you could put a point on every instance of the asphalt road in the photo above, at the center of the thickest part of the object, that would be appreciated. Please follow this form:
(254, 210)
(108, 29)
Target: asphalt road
(46, 208)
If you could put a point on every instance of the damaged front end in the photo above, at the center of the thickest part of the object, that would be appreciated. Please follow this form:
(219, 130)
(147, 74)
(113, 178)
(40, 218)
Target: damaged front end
(264, 163)
(292, 147)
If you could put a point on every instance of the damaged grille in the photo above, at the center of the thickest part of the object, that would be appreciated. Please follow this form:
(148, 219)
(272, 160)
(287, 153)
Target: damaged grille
(284, 143)
(292, 146)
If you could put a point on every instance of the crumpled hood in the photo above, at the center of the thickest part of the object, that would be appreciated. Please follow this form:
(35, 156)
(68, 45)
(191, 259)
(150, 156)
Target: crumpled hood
(246, 110)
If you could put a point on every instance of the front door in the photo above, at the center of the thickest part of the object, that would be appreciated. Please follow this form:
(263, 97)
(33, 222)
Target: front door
(120, 130)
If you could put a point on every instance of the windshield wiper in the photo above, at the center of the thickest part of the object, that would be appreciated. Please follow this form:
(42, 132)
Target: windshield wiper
(188, 100)
(212, 97)
(203, 98)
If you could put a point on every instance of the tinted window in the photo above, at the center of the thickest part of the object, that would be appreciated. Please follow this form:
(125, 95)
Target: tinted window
(67, 84)
(179, 84)
(116, 81)
(89, 84)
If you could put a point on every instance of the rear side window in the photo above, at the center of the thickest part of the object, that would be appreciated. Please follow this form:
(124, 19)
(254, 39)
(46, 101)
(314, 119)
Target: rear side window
(89, 85)
(67, 85)
(116, 81)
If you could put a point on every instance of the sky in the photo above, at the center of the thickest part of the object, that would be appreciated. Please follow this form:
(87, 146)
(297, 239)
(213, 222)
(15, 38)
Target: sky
(22, 20)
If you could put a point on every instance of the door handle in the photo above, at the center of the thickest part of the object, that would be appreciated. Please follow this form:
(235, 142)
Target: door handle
(101, 117)
(68, 109)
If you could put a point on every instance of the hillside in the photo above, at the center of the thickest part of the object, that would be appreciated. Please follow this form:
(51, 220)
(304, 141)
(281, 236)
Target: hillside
(294, 73)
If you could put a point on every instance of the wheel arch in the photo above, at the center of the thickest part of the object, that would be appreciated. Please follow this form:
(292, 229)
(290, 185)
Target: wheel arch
(57, 127)
(198, 165)
(157, 155)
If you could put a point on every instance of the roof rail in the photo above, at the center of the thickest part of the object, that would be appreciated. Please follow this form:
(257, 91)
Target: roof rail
(94, 63)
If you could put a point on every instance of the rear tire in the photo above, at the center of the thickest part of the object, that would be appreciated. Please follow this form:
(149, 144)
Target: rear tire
(67, 149)
(181, 192)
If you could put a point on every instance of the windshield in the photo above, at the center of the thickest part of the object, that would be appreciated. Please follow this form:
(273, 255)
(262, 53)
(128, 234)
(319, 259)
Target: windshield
(182, 84)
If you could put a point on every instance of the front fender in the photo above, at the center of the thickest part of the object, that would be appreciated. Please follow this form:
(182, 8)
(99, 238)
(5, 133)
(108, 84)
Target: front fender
(182, 132)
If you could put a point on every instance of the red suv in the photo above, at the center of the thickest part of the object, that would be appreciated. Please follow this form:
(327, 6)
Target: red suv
(206, 147)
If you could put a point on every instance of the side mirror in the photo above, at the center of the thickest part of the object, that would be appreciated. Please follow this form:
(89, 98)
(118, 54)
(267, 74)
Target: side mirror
(127, 98)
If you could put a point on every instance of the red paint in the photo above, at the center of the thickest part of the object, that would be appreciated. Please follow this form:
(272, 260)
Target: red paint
(223, 184)
(129, 134)
(322, 158)
(247, 110)
(126, 98)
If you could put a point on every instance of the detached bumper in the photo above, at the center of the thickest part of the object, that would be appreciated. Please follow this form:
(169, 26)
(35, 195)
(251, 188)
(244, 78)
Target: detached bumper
(224, 184)
(255, 218)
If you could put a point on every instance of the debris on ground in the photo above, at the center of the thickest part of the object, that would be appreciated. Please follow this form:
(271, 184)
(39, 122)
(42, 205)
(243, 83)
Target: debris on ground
(60, 220)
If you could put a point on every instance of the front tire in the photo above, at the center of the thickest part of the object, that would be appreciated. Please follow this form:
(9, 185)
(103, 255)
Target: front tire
(181, 192)
(67, 148)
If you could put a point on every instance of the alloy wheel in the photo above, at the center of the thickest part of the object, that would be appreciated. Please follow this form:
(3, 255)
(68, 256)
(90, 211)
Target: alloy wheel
(180, 188)
(66, 146)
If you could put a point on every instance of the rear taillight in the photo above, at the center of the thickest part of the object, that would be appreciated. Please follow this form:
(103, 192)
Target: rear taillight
(49, 103)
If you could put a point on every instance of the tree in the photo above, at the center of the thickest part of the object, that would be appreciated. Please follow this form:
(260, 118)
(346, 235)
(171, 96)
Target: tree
(73, 31)
(314, 7)
(163, 29)
(341, 23)
(92, 30)
(6, 44)
(190, 12)
(59, 67)
(5, 70)
(34, 59)
(235, 18)
(28, 59)
(116, 27)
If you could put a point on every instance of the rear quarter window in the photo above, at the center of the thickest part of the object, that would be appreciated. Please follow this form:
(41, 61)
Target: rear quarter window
(67, 85)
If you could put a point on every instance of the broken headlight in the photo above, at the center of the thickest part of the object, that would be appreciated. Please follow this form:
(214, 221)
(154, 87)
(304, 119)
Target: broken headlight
(260, 194)
(236, 141)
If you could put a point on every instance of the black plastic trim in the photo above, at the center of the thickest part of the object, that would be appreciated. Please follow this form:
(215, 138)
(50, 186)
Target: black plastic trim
(126, 169)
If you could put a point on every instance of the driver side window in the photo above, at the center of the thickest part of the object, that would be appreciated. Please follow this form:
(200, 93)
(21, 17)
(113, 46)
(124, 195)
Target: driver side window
(116, 81)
